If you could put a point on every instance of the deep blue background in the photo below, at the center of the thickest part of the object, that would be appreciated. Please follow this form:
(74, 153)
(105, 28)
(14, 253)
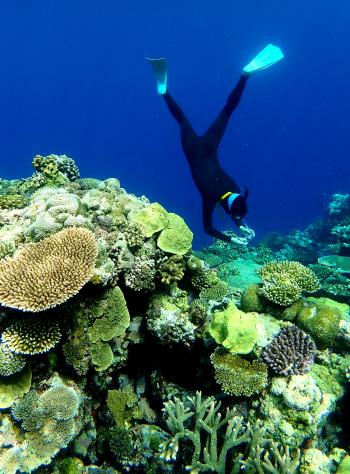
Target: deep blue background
(73, 80)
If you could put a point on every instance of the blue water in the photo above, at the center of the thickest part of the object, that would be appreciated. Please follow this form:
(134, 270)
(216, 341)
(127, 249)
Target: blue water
(73, 80)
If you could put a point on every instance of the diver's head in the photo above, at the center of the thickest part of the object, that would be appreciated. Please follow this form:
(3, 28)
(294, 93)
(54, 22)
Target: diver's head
(238, 207)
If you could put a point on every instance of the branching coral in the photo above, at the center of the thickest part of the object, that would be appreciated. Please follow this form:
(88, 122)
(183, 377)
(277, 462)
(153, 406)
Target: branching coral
(292, 351)
(141, 276)
(45, 274)
(172, 269)
(284, 282)
(199, 421)
(10, 363)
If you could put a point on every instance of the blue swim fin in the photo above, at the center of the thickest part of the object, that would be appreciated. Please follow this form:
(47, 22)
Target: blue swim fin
(160, 70)
(267, 57)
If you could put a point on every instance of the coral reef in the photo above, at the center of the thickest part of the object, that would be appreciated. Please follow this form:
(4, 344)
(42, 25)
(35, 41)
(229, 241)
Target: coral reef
(123, 350)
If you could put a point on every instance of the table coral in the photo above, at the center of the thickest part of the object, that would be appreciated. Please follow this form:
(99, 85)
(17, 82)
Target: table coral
(47, 273)
(238, 376)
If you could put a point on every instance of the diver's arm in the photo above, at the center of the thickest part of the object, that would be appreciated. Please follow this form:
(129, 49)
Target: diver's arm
(208, 210)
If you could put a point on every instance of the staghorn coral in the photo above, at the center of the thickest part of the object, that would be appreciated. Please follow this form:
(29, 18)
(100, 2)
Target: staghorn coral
(10, 363)
(213, 435)
(284, 282)
(237, 376)
(292, 351)
(45, 274)
(31, 336)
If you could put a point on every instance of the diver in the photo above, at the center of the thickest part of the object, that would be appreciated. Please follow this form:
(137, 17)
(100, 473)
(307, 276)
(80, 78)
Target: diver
(214, 184)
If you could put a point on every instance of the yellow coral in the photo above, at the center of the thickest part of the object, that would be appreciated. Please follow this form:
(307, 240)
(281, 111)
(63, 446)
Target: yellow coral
(283, 282)
(47, 273)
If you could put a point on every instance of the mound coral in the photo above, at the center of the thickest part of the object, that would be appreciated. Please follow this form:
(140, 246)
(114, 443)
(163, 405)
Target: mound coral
(176, 237)
(237, 376)
(45, 274)
(292, 351)
(31, 336)
(284, 282)
(321, 320)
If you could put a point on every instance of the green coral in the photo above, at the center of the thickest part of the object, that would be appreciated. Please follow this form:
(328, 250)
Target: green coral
(123, 405)
(14, 386)
(344, 466)
(237, 376)
(284, 282)
(120, 443)
(172, 270)
(203, 278)
(71, 466)
(150, 219)
(101, 355)
(213, 436)
(10, 363)
(234, 329)
(216, 292)
(112, 317)
(176, 237)
(49, 419)
(321, 321)
(251, 300)
(96, 321)
(13, 201)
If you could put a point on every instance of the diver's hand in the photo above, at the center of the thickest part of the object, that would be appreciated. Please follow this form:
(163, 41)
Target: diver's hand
(248, 233)
(239, 240)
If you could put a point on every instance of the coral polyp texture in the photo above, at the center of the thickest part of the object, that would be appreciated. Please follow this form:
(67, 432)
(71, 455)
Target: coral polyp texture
(26, 336)
(124, 351)
(292, 351)
(284, 282)
(47, 273)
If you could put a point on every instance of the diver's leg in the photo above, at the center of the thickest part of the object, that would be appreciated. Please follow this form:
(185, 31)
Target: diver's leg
(217, 129)
(188, 135)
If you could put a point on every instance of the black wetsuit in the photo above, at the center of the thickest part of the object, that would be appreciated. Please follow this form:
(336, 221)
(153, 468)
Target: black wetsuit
(201, 152)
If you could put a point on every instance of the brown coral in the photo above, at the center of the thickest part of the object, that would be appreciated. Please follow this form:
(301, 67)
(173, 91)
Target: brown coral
(31, 336)
(47, 273)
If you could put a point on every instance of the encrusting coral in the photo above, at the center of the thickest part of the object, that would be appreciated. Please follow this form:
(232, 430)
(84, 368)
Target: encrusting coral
(45, 274)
